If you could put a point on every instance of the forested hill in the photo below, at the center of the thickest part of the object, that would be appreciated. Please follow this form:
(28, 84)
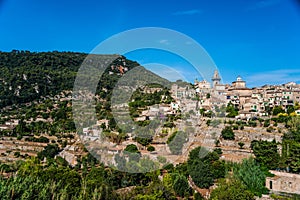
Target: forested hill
(26, 76)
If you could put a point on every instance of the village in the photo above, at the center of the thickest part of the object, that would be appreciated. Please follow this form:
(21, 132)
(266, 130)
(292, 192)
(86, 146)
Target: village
(202, 107)
(251, 102)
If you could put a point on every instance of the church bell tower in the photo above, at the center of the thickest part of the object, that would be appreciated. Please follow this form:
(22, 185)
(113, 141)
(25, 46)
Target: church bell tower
(216, 79)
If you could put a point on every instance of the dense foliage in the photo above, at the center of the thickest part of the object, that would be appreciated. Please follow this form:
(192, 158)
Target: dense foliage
(266, 153)
(291, 147)
(252, 176)
(26, 76)
(227, 133)
(204, 167)
(231, 189)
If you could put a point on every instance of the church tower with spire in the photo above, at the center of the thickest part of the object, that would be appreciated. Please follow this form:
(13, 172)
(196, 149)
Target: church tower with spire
(216, 79)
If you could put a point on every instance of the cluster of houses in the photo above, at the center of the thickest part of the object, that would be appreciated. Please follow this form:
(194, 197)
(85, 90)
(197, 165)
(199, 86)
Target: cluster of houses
(249, 101)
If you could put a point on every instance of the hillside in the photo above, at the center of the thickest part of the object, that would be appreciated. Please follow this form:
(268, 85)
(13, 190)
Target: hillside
(36, 98)
(40, 150)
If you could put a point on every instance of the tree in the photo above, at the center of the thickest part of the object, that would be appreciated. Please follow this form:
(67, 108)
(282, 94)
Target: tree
(294, 128)
(227, 133)
(204, 166)
(132, 148)
(250, 174)
(181, 186)
(290, 155)
(241, 144)
(202, 111)
(290, 109)
(266, 153)
(217, 143)
(218, 169)
(144, 140)
(168, 181)
(277, 110)
(155, 191)
(201, 174)
(267, 123)
(215, 123)
(151, 148)
(231, 110)
(17, 154)
(49, 151)
(231, 189)
(198, 196)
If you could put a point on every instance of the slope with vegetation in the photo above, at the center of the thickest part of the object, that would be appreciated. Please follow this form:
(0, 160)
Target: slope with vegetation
(35, 88)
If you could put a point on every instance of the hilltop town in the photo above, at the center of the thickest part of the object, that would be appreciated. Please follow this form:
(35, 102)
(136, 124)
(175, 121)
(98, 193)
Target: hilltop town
(250, 102)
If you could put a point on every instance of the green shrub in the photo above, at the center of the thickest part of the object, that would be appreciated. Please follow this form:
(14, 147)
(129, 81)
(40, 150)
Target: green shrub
(151, 148)
(227, 133)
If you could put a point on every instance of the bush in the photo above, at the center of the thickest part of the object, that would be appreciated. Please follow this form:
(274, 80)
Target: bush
(231, 189)
(201, 174)
(208, 122)
(41, 139)
(181, 186)
(270, 129)
(132, 148)
(5, 168)
(49, 151)
(217, 143)
(252, 123)
(241, 144)
(235, 127)
(169, 125)
(277, 110)
(267, 123)
(17, 154)
(161, 159)
(150, 148)
(227, 133)
(198, 196)
(144, 140)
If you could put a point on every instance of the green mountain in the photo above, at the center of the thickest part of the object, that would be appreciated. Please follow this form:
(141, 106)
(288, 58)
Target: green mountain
(27, 76)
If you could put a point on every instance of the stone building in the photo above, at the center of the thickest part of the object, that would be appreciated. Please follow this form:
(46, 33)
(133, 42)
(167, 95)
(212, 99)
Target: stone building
(239, 83)
(216, 79)
(283, 182)
(258, 101)
(202, 84)
(238, 93)
(179, 92)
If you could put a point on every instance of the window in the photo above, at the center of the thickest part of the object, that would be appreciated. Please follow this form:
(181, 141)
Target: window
(271, 185)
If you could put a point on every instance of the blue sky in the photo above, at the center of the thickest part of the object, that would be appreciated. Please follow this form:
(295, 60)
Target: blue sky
(257, 39)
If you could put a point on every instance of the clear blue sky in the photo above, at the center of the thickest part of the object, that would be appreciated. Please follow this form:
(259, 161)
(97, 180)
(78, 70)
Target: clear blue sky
(257, 39)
